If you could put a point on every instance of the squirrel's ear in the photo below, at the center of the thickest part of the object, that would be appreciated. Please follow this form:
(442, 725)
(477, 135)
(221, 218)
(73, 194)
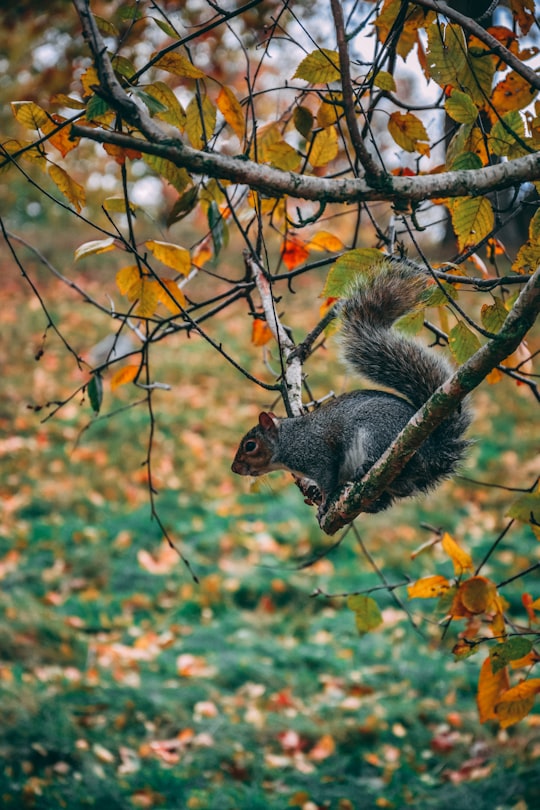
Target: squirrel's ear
(268, 421)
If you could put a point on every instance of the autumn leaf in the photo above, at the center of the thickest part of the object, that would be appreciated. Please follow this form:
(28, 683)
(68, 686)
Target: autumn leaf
(174, 256)
(319, 67)
(171, 296)
(232, 111)
(179, 65)
(29, 114)
(173, 113)
(477, 594)
(200, 121)
(324, 147)
(127, 280)
(461, 107)
(347, 266)
(293, 252)
(428, 587)
(408, 132)
(472, 219)
(261, 333)
(124, 375)
(93, 247)
(324, 240)
(148, 295)
(366, 613)
(511, 650)
(303, 120)
(514, 92)
(517, 702)
(491, 687)
(75, 193)
(461, 560)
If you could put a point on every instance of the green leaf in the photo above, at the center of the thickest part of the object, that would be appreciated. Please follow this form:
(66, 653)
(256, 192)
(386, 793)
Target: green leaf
(526, 508)
(318, 67)
(466, 160)
(171, 110)
(463, 342)
(366, 613)
(183, 206)
(95, 392)
(218, 227)
(347, 268)
(106, 27)
(502, 138)
(166, 28)
(473, 219)
(501, 655)
(303, 121)
(447, 53)
(96, 108)
(153, 104)
(178, 178)
(494, 315)
(461, 108)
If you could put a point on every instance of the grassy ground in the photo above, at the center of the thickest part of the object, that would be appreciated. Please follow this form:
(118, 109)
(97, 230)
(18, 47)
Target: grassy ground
(124, 684)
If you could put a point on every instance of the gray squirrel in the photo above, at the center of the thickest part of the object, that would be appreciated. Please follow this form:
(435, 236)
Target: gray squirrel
(340, 441)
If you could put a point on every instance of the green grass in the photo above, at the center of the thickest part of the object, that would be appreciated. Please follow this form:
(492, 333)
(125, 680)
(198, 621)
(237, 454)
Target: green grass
(125, 685)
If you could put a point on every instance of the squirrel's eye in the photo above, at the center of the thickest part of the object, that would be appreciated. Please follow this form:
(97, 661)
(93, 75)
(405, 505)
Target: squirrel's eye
(250, 446)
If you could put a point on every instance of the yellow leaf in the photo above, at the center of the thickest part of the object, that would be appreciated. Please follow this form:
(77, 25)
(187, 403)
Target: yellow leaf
(174, 256)
(89, 80)
(428, 587)
(318, 67)
(517, 702)
(324, 147)
(148, 295)
(323, 240)
(461, 559)
(176, 176)
(68, 186)
(172, 297)
(175, 113)
(490, 690)
(472, 220)
(124, 375)
(330, 109)
(128, 280)
(512, 93)
(180, 65)
(29, 114)
(408, 131)
(200, 121)
(385, 80)
(283, 156)
(96, 246)
(232, 112)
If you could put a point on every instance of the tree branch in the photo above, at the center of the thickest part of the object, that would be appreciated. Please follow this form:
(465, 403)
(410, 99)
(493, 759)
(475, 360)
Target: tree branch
(470, 25)
(352, 499)
(278, 183)
(373, 171)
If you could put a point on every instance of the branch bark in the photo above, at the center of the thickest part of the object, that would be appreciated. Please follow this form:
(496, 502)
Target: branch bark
(470, 25)
(275, 182)
(356, 496)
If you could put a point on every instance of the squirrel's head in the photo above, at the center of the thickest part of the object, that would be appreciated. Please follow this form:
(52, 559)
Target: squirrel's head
(254, 455)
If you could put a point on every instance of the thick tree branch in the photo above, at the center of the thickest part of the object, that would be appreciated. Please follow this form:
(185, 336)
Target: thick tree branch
(372, 170)
(356, 496)
(277, 183)
(470, 25)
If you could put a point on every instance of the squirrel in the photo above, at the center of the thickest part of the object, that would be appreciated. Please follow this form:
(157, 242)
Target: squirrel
(341, 440)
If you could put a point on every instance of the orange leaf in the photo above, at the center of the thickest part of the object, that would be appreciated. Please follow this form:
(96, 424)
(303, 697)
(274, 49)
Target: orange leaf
(478, 594)
(490, 690)
(124, 375)
(323, 240)
(260, 332)
(460, 558)
(428, 587)
(293, 253)
(517, 702)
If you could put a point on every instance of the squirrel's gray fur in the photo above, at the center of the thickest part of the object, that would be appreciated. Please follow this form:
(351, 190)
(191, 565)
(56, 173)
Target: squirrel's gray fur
(341, 440)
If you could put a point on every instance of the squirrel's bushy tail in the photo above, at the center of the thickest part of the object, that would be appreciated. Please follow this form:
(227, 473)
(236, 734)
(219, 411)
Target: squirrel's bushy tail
(384, 356)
